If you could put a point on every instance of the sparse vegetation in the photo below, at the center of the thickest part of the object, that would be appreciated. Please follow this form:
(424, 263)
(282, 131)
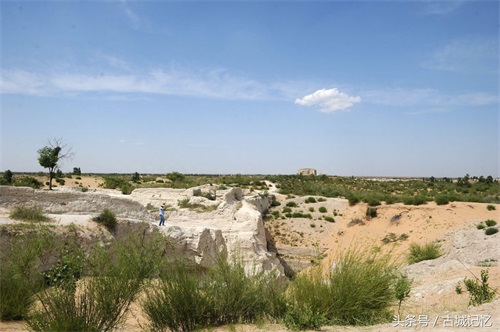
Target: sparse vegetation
(106, 218)
(424, 252)
(186, 204)
(402, 289)
(28, 213)
(479, 290)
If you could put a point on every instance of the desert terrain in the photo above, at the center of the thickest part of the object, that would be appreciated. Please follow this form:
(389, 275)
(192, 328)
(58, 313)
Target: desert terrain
(298, 241)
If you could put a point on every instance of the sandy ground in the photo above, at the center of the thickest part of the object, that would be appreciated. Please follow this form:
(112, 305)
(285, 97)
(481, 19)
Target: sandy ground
(433, 299)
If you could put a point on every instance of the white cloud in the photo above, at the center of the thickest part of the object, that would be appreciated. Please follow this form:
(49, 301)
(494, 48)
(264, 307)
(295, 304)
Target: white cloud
(210, 83)
(329, 100)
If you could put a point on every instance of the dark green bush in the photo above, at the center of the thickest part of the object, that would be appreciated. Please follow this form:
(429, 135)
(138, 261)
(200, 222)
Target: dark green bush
(329, 219)
(442, 200)
(291, 204)
(353, 199)
(310, 200)
(480, 226)
(371, 212)
(491, 207)
(106, 218)
(490, 231)
(286, 210)
(27, 181)
(490, 222)
(322, 209)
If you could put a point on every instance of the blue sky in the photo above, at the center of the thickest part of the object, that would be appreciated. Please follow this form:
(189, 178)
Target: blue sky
(399, 88)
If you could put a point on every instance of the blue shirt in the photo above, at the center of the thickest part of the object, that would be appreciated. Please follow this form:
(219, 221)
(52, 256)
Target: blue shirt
(161, 211)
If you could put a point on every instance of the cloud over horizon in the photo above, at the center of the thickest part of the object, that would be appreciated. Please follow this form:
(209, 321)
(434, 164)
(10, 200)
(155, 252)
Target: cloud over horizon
(329, 100)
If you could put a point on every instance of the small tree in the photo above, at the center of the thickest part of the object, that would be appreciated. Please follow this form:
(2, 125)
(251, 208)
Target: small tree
(77, 171)
(7, 175)
(51, 155)
(136, 177)
(403, 289)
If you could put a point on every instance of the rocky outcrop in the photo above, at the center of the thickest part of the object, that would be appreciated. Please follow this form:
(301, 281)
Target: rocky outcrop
(203, 223)
(68, 201)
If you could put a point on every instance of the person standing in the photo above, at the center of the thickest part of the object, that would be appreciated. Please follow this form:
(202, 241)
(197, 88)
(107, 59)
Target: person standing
(162, 216)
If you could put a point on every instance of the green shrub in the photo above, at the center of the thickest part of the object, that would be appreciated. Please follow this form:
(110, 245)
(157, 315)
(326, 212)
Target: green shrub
(491, 207)
(480, 226)
(21, 262)
(442, 200)
(27, 181)
(286, 210)
(291, 204)
(402, 289)
(106, 218)
(420, 253)
(479, 290)
(371, 212)
(303, 318)
(490, 222)
(26, 213)
(372, 201)
(275, 203)
(68, 268)
(322, 209)
(185, 204)
(116, 275)
(353, 199)
(359, 290)
(188, 299)
(311, 209)
(310, 200)
(301, 215)
(491, 231)
(329, 219)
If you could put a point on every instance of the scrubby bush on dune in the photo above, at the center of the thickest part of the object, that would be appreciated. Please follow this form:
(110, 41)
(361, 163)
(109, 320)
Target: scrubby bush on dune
(442, 200)
(490, 222)
(424, 252)
(491, 231)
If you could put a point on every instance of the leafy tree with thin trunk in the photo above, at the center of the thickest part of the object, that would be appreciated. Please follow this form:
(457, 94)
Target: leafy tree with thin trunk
(51, 155)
